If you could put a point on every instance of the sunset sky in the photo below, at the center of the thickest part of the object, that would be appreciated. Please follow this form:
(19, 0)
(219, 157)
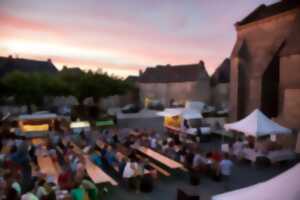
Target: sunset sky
(121, 36)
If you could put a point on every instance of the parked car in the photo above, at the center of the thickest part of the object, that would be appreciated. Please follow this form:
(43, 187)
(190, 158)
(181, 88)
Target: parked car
(131, 108)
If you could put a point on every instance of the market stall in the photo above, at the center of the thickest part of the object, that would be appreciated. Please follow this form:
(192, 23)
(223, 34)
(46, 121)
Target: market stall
(79, 126)
(257, 125)
(38, 122)
(179, 120)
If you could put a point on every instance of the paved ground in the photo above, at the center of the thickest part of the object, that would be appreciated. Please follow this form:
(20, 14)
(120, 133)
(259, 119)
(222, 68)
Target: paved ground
(244, 174)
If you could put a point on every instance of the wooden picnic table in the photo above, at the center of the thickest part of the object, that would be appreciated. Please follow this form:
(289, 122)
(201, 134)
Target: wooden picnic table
(39, 141)
(161, 158)
(48, 167)
(124, 150)
(94, 172)
(5, 149)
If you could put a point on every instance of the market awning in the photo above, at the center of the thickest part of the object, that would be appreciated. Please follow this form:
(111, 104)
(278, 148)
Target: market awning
(105, 123)
(80, 124)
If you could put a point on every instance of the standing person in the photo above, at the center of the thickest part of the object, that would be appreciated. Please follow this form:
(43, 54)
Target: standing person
(129, 172)
(21, 157)
(226, 169)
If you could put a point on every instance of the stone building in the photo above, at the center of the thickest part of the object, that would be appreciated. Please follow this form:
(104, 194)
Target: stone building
(10, 64)
(220, 85)
(179, 83)
(265, 64)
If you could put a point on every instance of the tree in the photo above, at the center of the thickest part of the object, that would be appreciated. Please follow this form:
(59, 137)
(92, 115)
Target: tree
(31, 88)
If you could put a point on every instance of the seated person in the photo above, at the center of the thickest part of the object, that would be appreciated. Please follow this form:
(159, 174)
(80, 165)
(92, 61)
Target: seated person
(65, 179)
(79, 193)
(110, 156)
(80, 172)
(199, 162)
(29, 194)
(121, 164)
(41, 191)
(90, 188)
(96, 158)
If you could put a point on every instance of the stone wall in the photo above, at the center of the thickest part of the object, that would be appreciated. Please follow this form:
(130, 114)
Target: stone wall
(197, 91)
(290, 114)
(220, 95)
(256, 46)
(117, 101)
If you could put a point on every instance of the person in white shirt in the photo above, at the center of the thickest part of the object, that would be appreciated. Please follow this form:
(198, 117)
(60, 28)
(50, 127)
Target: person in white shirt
(199, 161)
(226, 170)
(131, 174)
(130, 169)
(238, 148)
(153, 142)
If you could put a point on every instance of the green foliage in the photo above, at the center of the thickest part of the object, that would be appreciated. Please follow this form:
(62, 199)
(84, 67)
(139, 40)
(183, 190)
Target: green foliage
(32, 87)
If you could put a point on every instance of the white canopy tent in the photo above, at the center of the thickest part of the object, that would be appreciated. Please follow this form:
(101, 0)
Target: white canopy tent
(183, 112)
(257, 124)
(191, 114)
(195, 105)
(284, 186)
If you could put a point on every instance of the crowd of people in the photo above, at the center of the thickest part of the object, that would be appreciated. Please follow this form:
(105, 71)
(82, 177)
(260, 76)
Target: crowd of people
(22, 179)
(214, 164)
(113, 150)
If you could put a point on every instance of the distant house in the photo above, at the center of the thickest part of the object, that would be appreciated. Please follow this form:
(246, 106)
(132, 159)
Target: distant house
(265, 64)
(10, 64)
(220, 85)
(175, 83)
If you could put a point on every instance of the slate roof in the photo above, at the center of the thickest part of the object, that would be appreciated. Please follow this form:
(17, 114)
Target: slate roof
(222, 73)
(177, 73)
(9, 64)
(264, 11)
(132, 79)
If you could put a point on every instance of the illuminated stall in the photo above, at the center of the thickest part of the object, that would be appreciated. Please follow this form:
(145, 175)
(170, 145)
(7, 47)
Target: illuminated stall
(174, 119)
(41, 123)
(105, 123)
(79, 126)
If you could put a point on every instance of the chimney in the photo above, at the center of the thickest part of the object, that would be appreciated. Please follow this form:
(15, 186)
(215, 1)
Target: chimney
(201, 62)
(49, 60)
(140, 72)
